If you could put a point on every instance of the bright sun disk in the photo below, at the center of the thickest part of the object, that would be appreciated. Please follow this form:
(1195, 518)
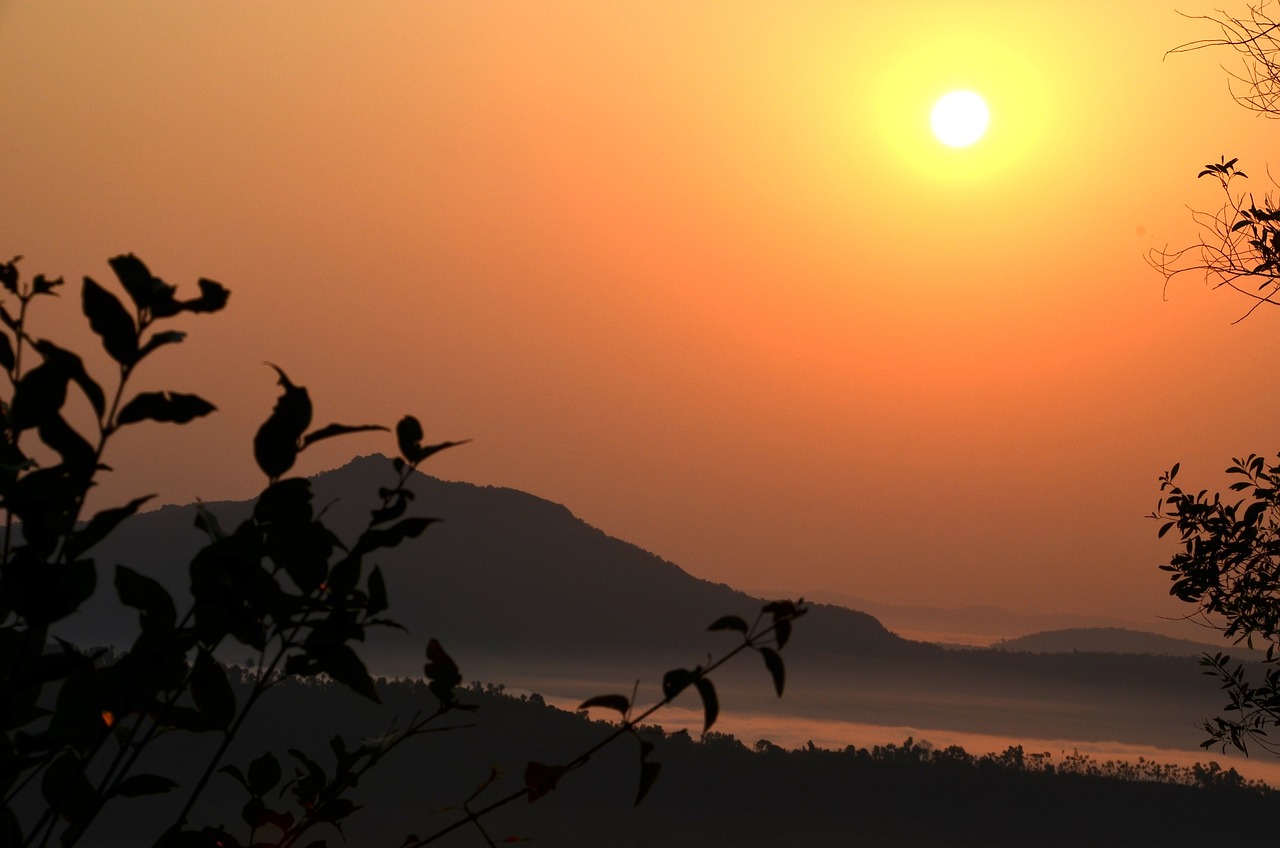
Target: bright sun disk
(959, 119)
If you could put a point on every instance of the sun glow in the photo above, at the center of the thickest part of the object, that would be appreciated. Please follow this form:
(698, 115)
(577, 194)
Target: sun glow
(959, 119)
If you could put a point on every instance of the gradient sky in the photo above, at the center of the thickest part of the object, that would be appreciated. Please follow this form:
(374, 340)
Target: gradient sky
(697, 271)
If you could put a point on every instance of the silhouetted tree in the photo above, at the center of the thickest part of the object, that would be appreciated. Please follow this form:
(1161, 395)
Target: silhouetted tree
(1239, 245)
(74, 725)
(1228, 567)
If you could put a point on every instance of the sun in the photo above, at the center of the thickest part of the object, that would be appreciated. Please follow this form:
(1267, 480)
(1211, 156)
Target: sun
(959, 119)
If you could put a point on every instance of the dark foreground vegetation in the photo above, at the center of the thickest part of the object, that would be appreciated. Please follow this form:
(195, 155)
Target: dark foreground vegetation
(715, 790)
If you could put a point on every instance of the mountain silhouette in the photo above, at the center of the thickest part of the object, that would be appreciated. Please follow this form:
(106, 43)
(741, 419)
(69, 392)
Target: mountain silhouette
(522, 592)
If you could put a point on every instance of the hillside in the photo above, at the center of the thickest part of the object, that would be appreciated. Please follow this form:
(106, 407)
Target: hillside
(522, 592)
(716, 790)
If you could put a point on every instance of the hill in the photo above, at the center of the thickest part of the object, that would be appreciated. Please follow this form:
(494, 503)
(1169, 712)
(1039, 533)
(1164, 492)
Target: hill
(711, 791)
(522, 592)
(1117, 640)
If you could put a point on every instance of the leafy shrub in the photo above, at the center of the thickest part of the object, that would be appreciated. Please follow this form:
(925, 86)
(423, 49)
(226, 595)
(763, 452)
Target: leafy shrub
(281, 583)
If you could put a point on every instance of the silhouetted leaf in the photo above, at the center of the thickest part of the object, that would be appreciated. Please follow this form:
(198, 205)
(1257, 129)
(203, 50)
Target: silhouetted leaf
(782, 631)
(212, 693)
(148, 596)
(648, 776)
(676, 681)
(377, 593)
(7, 358)
(441, 671)
(409, 440)
(208, 522)
(729, 622)
(396, 502)
(78, 456)
(213, 297)
(109, 319)
(101, 525)
(710, 703)
(343, 665)
(66, 789)
(337, 430)
(275, 446)
(264, 774)
(9, 275)
(540, 780)
(144, 289)
(143, 784)
(164, 406)
(38, 397)
(773, 662)
(392, 536)
(235, 773)
(160, 340)
(409, 437)
(71, 366)
(610, 702)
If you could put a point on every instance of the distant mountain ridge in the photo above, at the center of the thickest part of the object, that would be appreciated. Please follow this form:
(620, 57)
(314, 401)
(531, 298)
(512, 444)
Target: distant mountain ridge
(1118, 640)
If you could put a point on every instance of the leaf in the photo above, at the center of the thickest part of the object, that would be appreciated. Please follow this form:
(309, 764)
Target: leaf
(212, 693)
(161, 339)
(264, 774)
(213, 297)
(729, 622)
(377, 593)
(409, 440)
(342, 664)
(66, 789)
(407, 528)
(101, 525)
(109, 319)
(782, 631)
(648, 776)
(72, 367)
(164, 406)
(440, 669)
(144, 289)
(7, 358)
(208, 522)
(409, 437)
(38, 396)
(540, 780)
(275, 446)
(143, 784)
(773, 662)
(149, 597)
(337, 430)
(710, 703)
(676, 681)
(610, 702)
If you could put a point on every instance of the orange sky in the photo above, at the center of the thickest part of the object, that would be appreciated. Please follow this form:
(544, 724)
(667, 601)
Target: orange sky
(697, 271)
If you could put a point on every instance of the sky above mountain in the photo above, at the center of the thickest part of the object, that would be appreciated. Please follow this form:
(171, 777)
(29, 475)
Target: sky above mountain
(699, 272)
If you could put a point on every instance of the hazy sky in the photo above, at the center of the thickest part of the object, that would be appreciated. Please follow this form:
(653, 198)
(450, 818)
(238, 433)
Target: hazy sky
(697, 271)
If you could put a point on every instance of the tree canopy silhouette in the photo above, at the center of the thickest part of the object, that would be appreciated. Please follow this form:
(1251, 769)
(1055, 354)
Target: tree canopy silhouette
(1228, 566)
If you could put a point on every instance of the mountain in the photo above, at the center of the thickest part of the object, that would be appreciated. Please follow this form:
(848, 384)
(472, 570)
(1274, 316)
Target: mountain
(503, 573)
(1118, 640)
(522, 592)
(980, 625)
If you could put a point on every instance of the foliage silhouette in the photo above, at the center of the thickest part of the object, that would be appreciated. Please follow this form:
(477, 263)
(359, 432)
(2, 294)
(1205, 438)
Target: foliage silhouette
(1239, 247)
(1229, 564)
(281, 583)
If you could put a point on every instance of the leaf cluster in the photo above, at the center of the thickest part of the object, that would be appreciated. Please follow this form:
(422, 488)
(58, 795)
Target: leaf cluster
(73, 725)
(1228, 567)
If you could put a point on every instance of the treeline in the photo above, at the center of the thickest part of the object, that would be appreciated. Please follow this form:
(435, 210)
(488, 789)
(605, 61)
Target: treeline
(717, 790)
